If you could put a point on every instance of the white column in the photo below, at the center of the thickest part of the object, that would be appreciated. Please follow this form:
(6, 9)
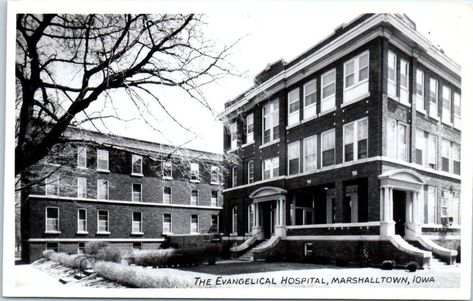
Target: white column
(382, 215)
(387, 223)
(283, 212)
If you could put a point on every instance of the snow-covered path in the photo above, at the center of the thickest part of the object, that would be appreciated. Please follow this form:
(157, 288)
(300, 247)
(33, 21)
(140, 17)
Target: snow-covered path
(28, 276)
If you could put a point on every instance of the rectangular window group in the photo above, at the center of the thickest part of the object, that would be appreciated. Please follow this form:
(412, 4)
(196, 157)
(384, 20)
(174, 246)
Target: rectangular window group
(355, 140)
(137, 223)
(102, 221)
(136, 165)
(167, 223)
(397, 135)
(293, 107)
(355, 78)
(250, 128)
(271, 121)
(102, 160)
(52, 219)
(270, 168)
(82, 220)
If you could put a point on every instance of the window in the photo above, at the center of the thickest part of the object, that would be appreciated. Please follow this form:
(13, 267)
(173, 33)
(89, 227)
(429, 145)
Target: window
(195, 173)
(420, 91)
(356, 131)
(420, 146)
(234, 177)
(433, 99)
(444, 202)
(310, 153)
(251, 216)
(271, 121)
(404, 82)
(214, 224)
(250, 128)
(213, 198)
(456, 110)
(430, 206)
(136, 193)
(328, 91)
(310, 99)
(397, 140)
(392, 81)
(137, 223)
(194, 197)
(82, 157)
(454, 216)
(432, 151)
(214, 175)
(446, 145)
(251, 172)
(446, 105)
(308, 249)
(82, 220)
(102, 189)
(293, 107)
(234, 220)
(293, 157)
(102, 159)
(356, 77)
(456, 158)
(328, 147)
(167, 223)
(81, 248)
(167, 169)
(54, 246)
(167, 195)
(233, 135)
(194, 223)
(136, 165)
(270, 168)
(137, 246)
(102, 221)
(81, 187)
(52, 186)
(52, 219)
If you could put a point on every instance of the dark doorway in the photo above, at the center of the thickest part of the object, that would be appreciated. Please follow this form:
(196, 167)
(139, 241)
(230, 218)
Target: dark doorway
(399, 211)
(267, 218)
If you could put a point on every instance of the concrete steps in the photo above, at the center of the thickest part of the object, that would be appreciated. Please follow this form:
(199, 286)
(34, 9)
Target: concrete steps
(248, 255)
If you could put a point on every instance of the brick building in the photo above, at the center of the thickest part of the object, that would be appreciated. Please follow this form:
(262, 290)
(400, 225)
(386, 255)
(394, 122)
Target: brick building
(132, 193)
(353, 147)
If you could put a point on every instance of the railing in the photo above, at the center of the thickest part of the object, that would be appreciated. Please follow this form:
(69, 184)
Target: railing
(246, 244)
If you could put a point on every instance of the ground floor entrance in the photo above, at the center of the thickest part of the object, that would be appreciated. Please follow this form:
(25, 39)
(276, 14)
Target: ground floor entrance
(399, 212)
(267, 210)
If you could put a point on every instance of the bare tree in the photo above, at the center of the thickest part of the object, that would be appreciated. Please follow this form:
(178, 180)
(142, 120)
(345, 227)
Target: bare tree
(64, 63)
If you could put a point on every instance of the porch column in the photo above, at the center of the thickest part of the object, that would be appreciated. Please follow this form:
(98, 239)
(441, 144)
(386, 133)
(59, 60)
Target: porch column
(280, 228)
(387, 223)
(414, 223)
(257, 228)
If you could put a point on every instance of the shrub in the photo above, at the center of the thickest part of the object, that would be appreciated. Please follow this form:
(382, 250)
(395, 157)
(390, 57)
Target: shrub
(150, 257)
(133, 276)
(388, 264)
(109, 253)
(47, 254)
(412, 266)
(94, 247)
(72, 261)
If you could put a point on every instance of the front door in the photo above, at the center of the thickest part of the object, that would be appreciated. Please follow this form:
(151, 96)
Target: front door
(267, 213)
(399, 211)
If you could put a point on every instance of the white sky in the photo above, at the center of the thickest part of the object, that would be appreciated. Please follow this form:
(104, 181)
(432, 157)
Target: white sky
(284, 30)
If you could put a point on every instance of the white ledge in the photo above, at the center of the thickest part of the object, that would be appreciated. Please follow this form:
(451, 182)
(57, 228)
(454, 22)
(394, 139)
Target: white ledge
(103, 232)
(103, 170)
(96, 239)
(269, 143)
(335, 225)
(247, 144)
(52, 232)
(82, 232)
(352, 101)
(136, 174)
(328, 111)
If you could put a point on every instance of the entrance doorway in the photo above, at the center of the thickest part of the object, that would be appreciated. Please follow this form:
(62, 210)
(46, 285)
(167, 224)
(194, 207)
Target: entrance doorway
(267, 214)
(399, 211)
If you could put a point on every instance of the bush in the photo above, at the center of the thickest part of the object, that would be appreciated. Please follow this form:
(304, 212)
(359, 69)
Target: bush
(412, 266)
(137, 277)
(109, 253)
(47, 254)
(94, 247)
(72, 261)
(388, 264)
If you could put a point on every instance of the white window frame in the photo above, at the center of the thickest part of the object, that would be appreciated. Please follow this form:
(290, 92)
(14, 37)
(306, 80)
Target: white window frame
(293, 97)
(83, 231)
(81, 187)
(211, 223)
(420, 87)
(164, 195)
(330, 99)
(133, 159)
(392, 83)
(133, 194)
(296, 144)
(196, 202)
(213, 200)
(251, 171)
(404, 89)
(305, 154)
(429, 150)
(271, 163)
(446, 145)
(48, 229)
(251, 212)
(107, 230)
(457, 113)
(455, 155)
(310, 110)
(250, 130)
(82, 156)
(347, 97)
(355, 138)
(195, 172)
(215, 171)
(269, 111)
(233, 135)
(446, 112)
(197, 226)
(134, 223)
(170, 223)
(322, 135)
(234, 176)
(433, 106)
(235, 220)
(431, 205)
(421, 143)
(54, 183)
(397, 147)
(166, 165)
(103, 154)
(103, 181)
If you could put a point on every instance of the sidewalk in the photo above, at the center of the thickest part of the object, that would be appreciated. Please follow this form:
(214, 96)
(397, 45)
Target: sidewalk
(30, 277)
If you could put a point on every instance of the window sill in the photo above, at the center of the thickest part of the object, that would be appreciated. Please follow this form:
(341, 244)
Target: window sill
(447, 123)
(434, 117)
(82, 167)
(167, 233)
(136, 174)
(357, 99)
(309, 119)
(421, 111)
(233, 234)
(195, 181)
(168, 178)
(103, 233)
(293, 125)
(269, 143)
(215, 183)
(247, 144)
(82, 232)
(52, 232)
(99, 199)
(194, 233)
(137, 233)
(328, 111)
(406, 103)
(103, 170)
(232, 150)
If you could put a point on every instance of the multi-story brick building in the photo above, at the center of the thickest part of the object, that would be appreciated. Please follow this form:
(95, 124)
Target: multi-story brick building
(132, 193)
(354, 146)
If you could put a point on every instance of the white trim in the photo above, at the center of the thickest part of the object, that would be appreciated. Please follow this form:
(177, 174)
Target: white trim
(123, 202)
(334, 147)
(357, 99)
(163, 163)
(356, 73)
(78, 186)
(101, 150)
(248, 171)
(108, 189)
(103, 232)
(95, 239)
(108, 222)
(137, 157)
(296, 113)
(170, 224)
(304, 106)
(46, 220)
(252, 133)
(336, 225)
(141, 192)
(334, 237)
(246, 144)
(197, 199)
(78, 219)
(170, 196)
(322, 113)
(269, 143)
(133, 221)
(355, 124)
(82, 232)
(190, 229)
(298, 143)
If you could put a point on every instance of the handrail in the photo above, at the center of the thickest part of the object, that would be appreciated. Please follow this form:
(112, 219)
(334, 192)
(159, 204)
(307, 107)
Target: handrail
(273, 241)
(246, 244)
(435, 248)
